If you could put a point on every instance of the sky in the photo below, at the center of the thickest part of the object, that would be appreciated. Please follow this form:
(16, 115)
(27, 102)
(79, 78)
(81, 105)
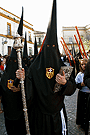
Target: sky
(38, 12)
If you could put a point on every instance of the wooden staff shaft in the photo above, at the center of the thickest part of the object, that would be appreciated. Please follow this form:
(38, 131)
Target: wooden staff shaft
(78, 46)
(81, 41)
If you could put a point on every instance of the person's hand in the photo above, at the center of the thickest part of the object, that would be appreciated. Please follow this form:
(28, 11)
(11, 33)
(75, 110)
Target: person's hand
(61, 79)
(82, 84)
(14, 89)
(20, 74)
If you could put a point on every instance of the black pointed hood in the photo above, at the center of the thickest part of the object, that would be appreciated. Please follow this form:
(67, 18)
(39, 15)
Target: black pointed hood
(11, 68)
(13, 55)
(51, 36)
(20, 27)
(25, 53)
(35, 48)
(25, 57)
(50, 56)
(35, 51)
(45, 67)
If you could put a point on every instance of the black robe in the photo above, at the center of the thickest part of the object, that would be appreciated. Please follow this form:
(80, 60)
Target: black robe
(87, 75)
(87, 83)
(12, 101)
(45, 107)
(83, 101)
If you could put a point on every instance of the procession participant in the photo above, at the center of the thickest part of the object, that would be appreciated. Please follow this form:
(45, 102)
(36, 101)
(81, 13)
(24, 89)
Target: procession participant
(25, 57)
(35, 52)
(1, 66)
(12, 98)
(87, 75)
(35, 48)
(87, 83)
(83, 94)
(73, 65)
(1, 73)
(46, 112)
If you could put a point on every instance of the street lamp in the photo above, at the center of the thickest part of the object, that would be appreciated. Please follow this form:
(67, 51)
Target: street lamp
(3, 42)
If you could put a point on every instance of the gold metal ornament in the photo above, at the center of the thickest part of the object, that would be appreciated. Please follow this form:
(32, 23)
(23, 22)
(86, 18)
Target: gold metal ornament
(49, 73)
(10, 83)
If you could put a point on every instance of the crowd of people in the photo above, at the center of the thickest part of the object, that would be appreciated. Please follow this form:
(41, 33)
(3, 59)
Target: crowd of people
(68, 88)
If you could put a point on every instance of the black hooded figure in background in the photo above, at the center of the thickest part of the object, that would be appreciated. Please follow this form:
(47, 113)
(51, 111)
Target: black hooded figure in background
(25, 57)
(35, 50)
(46, 108)
(12, 98)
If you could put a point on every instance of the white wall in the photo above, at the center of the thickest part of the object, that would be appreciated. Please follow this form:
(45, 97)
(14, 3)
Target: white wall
(14, 27)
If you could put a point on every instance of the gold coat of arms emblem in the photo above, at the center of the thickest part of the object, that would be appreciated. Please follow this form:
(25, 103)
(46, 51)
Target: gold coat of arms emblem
(10, 83)
(49, 72)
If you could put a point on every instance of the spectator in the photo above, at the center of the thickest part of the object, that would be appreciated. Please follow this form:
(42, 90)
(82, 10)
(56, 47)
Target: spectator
(83, 94)
(1, 66)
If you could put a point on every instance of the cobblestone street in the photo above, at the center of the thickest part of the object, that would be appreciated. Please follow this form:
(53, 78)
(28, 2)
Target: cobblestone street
(71, 105)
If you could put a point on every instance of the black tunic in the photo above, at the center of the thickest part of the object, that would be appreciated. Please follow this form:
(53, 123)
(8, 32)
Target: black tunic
(82, 108)
(12, 101)
(45, 107)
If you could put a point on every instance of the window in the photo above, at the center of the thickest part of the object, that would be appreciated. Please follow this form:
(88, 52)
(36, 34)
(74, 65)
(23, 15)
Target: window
(9, 29)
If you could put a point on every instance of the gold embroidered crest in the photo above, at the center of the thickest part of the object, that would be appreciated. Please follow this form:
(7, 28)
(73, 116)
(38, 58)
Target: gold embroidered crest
(49, 72)
(10, 83)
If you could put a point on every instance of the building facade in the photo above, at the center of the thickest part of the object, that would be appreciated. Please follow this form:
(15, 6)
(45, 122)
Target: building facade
(68, 35)
(39, 37)
(8, 27)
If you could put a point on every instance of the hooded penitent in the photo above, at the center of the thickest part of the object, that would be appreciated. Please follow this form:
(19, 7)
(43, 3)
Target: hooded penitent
(43, 70)
(12, 101)
(20, 27)
(35, 51)
(35, 48)
(25, 53)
